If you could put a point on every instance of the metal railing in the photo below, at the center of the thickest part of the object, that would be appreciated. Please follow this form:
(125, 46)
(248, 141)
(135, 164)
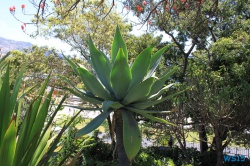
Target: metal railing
(228, 150)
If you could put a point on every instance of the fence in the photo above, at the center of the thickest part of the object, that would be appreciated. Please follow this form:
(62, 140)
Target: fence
(228, 150)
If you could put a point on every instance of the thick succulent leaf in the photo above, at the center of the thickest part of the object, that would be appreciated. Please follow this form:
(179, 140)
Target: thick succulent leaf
(120, 76)
(131, 134)
(111, 104)
(140, 67)
(157, 95)
(101, 65)
(118, 43)
(139, 91)
(159, 83)
(72, 64)
(137, 110)
(7, 151)
(152, 70)
(82, 108)
(96, 122)
(93, 84)
(69, 82)
(153, 118)
(84, 97)
(146, 104)
(158, 55)
(155, 60)
(107, 59)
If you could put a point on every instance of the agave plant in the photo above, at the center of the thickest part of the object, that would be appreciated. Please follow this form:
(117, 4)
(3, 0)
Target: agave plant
(123, 90)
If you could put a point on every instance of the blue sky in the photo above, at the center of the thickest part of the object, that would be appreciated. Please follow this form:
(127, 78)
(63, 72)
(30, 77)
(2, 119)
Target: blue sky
(10, 28)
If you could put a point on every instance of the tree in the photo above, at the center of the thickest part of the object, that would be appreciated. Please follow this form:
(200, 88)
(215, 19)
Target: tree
(192, 24)
(220, 95)
(41, 61)
(73, 27)
(123, 90)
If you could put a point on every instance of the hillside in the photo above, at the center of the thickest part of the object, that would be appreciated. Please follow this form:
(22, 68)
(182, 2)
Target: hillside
(7, 45)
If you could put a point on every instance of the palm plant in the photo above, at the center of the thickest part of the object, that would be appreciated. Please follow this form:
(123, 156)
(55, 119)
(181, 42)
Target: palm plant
(122, 90)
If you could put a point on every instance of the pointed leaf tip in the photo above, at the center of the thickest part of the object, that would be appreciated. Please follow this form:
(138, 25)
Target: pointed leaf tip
(118, 43)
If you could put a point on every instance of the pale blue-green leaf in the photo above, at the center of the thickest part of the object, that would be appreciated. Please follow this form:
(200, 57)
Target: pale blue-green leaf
(107, 59)
(140, 67)
(93, 84)
(84, 97)
(159, 83)
(82, 108)
(111, 104)
(101, 65)
(150, 97)
(143, 104)
(152, 70)
(153, 118)
(96, 122)
(131, 134)
(72, 64)
(157, 95)
(120, 76)
(139, 91)
(137, 110)
(118, 43)
(158, 55)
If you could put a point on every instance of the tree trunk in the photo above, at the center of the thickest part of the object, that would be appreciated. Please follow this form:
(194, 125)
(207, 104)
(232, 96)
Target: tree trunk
(110, 132)
(203, 138)
(122, 156)
(219, 148)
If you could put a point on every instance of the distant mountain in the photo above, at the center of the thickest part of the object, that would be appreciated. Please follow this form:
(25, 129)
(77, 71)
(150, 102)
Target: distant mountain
(7, 45)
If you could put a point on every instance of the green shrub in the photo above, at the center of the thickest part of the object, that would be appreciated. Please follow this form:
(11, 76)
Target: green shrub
(100, 153)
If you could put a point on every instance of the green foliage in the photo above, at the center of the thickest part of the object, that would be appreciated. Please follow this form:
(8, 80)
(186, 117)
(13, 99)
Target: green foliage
(28, 145)
(40, 62)
(138, 90)
(174, 156)
(87, 19)
(100, 153)
(224, 82)
(69, 147)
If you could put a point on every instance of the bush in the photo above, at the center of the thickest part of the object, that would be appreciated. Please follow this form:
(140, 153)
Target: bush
(176, 154)
(100, 154)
